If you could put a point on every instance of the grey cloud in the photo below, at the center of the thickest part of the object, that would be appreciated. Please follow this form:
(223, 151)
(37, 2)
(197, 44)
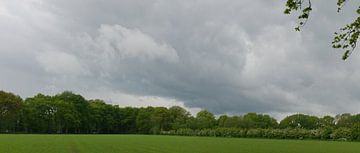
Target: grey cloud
(225, 56)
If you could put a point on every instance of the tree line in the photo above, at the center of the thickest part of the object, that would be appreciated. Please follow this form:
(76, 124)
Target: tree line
(70, 113)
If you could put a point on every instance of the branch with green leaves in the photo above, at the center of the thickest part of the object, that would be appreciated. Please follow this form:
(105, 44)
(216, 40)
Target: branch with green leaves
(345, 39)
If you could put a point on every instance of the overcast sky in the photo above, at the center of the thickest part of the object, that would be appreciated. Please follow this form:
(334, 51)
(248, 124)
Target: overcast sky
(228, 56)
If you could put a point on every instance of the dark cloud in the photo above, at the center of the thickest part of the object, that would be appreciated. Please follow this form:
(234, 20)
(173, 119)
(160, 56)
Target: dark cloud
(225, 56)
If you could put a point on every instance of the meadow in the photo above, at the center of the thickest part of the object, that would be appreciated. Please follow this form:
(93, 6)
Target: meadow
(18, 143)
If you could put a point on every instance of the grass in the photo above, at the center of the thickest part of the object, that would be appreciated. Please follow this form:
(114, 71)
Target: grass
(164, 144)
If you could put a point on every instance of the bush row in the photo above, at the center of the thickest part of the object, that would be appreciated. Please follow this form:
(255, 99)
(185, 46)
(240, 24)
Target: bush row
(344, 134)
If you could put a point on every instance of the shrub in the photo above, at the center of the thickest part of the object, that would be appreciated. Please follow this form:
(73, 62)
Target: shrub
(341, 134)
(355, 132)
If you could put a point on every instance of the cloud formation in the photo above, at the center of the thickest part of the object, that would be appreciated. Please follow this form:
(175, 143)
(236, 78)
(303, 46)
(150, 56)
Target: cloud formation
(60, 63)
(224, 56)
(116, 41)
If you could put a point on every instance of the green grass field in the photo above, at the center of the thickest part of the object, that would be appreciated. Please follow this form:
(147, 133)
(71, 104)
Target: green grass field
(164, 144)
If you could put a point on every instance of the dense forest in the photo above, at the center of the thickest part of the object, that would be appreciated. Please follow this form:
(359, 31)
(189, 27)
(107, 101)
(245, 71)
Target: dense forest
(69, 113)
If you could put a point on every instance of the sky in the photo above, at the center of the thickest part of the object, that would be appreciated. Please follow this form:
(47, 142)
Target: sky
(229, 56)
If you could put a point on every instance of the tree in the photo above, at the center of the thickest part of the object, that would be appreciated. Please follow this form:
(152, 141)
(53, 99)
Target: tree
(160, 120)
(355, 131)
(327, 121)
(233, 122)
(71, 113)
(143, 120)
(343, 120)
(10, 106)
(222, 120)
(40, 112)
(253, 120)
(128, 119)
(178, 117)
(205, 119)
(345, 39)
(82, 109)
(192, 123)
(355, 118)
(300, 121)
(65, 116)
(102, 117)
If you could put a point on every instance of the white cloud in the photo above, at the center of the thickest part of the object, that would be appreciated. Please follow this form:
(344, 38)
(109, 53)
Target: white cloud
(124, 100)
(60, 63)
(119, 43)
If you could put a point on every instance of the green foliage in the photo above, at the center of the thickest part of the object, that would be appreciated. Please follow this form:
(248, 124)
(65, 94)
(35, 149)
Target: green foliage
(345, 39)
(355, 132)
(288, 133)
(179, 117)
(232, 121)
(81, 105)
(102, 117)
(160, 120)
(127, 119)
(342, 134)
(327, 121)
(253, 120)
(295, 5)
(10, 107)
(300, 121)
(344, 120)
(71, 113)
(205, 119)
(325, 133)
(143, 120)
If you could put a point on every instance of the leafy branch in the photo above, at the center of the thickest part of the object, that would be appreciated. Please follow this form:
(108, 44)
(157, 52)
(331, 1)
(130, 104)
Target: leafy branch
(345, 39)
